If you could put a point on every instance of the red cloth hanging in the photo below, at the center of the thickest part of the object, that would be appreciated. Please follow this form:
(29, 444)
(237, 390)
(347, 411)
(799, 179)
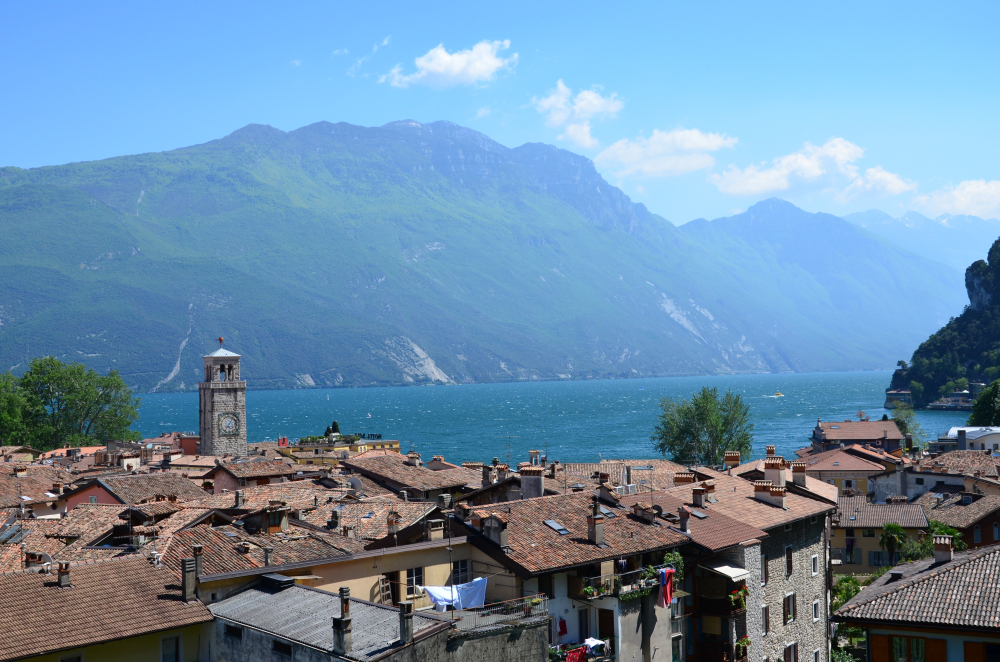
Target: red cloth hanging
(562, 627)
(577, 655)
(666, 587)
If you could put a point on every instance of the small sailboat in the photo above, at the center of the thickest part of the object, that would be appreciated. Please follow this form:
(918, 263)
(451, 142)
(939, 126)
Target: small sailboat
(779, 394)
(369, 415)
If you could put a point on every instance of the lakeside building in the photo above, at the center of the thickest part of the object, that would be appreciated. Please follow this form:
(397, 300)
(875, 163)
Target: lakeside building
(976, 516)
(966, 438)
(884, 435)
(858, 525)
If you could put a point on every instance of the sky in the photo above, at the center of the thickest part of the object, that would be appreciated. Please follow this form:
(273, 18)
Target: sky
(694, 109)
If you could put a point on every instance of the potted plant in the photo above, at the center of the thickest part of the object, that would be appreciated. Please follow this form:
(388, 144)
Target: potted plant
(738, 598)
(588, 591)
(743, 647)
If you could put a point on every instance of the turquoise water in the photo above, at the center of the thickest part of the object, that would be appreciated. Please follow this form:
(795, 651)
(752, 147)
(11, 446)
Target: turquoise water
(574, 421)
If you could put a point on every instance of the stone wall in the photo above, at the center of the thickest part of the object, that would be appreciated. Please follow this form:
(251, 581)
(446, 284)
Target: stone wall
(807, 538)
(216, 398)
(530, 643)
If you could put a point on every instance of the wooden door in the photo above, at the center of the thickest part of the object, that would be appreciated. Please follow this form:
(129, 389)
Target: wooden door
(605, 623)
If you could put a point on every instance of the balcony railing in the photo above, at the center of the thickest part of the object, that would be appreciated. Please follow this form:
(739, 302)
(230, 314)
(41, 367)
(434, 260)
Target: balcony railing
(846, 556)
(614, 584)
(500, 614)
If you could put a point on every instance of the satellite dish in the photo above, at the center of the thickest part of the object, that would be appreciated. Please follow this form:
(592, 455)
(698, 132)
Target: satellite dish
(355, 483)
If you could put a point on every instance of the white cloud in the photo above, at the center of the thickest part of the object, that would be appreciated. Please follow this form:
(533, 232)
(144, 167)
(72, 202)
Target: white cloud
(341, 51)
(297, 63)
(831, 164)
(975, 197)
(562, 109)
(664, 153)
(483, 112)
(439, 68)
(385, 42)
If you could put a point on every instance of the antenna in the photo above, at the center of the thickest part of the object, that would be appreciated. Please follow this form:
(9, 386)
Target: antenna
(220, 339)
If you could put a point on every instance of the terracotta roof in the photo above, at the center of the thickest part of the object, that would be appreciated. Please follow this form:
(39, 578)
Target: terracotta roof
(536, 547)
(736, 495)
(964, 592)
(145, 487)
(951, 509)
(84, 450)
(654, 473)
(256, 469)
(856, 513)
(754, 469)
(859, 430)
(392, 468)
(370, 518)
(718, 530)
(297, 494)
(962, 462)
(377, 452)
(150, 596)
(839, 459)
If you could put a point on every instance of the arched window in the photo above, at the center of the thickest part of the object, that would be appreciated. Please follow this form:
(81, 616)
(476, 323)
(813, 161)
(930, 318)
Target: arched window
(976, 535)
(996, 531)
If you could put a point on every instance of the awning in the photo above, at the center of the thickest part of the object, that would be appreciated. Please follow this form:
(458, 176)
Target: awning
(733, 572)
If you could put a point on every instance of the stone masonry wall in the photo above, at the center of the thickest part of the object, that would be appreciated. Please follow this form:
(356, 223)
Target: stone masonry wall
(807, 539)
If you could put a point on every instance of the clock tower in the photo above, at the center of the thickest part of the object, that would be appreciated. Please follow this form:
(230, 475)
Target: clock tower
(222, 406)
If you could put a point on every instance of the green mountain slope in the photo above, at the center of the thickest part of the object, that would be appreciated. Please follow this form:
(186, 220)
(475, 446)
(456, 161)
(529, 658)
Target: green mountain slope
(967, 348)
(410, 253)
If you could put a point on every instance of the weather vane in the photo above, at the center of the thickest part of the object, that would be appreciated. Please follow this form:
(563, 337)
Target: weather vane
(220, 341)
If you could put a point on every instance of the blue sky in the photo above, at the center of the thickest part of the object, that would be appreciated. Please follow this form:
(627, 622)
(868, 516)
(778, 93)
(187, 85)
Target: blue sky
(694, 111)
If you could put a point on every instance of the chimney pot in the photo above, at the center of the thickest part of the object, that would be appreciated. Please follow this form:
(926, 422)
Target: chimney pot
(198, 558)
(188, 579)
(685, 516)
(268, 555)
(769, 449)
(943, 550)
(405, 622)
(64, 575)
(595, 524)
(698, 496)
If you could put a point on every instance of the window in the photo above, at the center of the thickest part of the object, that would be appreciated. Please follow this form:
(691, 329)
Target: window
(765, 618)
(815, 610)
(460, 572)
(414, 578)
(868, 533)
(788, 527)
(763, 569)
(234, 631)
(920, 481)
(788, 607)
(79, 658)
(849, 533)
(788, 560)
(813, 519)
(792, 653)
(977, 535)
(93, 499)
(280, 647)
(996, 531)
(815, 564)
(170, 649)
(816, 655)
(879, 559)
(848, 484)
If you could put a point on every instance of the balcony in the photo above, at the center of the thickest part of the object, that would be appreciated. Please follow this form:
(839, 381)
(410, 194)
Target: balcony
(503, 614)
(846, 555)
(624, 586)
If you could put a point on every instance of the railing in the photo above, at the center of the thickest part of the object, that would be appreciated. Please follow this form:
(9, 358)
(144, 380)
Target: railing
(499, 614)
(720, 606)
(845, 555)
(616, 583)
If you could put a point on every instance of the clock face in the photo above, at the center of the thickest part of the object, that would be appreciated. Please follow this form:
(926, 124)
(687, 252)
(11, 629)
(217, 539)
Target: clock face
(229, 424)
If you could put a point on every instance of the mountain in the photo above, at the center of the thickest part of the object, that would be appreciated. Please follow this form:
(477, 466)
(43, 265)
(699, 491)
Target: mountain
(965, 349)
(954, 240)
(416, 253)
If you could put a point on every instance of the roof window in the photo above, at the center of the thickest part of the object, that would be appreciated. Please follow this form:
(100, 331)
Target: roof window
(557, 527)
(607, 512)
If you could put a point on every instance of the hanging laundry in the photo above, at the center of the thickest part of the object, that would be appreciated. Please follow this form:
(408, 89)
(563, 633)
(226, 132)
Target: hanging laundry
(666, 587)
(563, 630)
(577, 655)
(460, 596)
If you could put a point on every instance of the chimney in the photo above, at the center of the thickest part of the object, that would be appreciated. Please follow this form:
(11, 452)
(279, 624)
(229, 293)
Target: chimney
(731, 459)
(532, 482)
(444, 501)
(57, 488)
(64, 575)
(405, 622)
(268, 555)
(799, 472)
(188, 579)
(595, 524)
(348, 531)
(198, 558)
(683, 478)
(644, 511)
(434, 529)
(496, 530)
(607, 492)
(962, 443)
(487, 475)
(698, 496)
(774, 470)
(778, 495)
(393, 522)
(342, 624)
(502, 470)
(20, 471)
(334, 522)
(628, 474)
(769, 449)
(762, 490)
(685, 516)
(534, 455)
(709, 486)
(413, 459)
(240, 499)
(942, 549)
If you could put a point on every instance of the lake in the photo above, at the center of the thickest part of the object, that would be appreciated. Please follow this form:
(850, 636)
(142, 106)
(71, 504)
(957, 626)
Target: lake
(574, 421)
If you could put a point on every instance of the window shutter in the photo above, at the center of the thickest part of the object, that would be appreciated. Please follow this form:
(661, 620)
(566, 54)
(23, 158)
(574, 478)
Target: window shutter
(766, 618)
(872, 562)
(793, 609)
(795, 652)
(784, 610)
(937, 649)
(763, 567)
(880, 648)
(975, 651)
(788, 560)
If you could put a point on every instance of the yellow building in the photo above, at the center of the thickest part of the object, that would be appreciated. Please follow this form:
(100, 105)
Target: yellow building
(119, 610)
(857, 527)
(845, 469)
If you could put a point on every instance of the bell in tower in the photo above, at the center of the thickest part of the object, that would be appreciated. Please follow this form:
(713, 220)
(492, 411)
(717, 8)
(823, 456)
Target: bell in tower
(222, 406)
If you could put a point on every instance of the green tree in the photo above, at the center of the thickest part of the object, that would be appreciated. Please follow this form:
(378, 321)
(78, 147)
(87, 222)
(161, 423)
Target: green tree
(892, 539)
(70, 404)
(335, 428)
(937, 528)
(13, 411)
(986, 408)
(906, 420)
(700, 430)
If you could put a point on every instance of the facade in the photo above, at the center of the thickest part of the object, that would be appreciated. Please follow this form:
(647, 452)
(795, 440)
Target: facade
(828, 435)
(976, 516)
(940, 609)
(857, 527)
(222, 408)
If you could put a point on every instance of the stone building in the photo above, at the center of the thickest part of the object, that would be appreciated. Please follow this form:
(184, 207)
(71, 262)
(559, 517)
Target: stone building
(222, 409)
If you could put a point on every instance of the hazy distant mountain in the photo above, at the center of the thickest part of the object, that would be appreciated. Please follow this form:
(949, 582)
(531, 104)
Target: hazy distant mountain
(957, 241)
(409, 253)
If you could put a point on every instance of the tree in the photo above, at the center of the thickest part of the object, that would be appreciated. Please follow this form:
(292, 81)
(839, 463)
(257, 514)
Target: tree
(700, 430)
(986, 408)
(70, 404)
(906, 420)
(335, 428)
(937, 528)
(13, 407)
(893, 538)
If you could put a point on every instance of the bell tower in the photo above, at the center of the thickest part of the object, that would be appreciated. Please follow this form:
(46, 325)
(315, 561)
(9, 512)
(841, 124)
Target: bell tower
(222, 407)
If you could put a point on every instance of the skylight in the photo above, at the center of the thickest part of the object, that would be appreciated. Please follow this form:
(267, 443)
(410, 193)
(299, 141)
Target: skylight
(556, 526)
(606, 512)
(699, 514)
